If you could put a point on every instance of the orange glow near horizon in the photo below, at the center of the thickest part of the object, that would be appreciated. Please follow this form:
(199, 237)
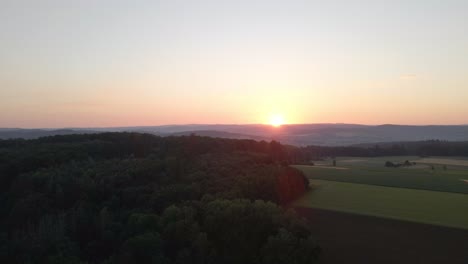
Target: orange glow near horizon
(177, 62)
(276, 120)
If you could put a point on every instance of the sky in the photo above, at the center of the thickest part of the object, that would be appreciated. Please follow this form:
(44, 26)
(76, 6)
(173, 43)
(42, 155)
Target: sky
(93, 63)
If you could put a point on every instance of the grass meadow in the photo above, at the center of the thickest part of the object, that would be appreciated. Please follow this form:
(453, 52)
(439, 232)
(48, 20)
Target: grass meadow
(372, 171)
(430, 207)
(416, 193)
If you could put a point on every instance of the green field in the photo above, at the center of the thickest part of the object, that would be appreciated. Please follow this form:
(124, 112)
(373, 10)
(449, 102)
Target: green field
(372, 171)
(431, 207)
(415, 193)
(454, 162)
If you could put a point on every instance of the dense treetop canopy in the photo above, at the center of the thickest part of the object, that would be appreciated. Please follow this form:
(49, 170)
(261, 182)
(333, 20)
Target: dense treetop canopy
(138, 198)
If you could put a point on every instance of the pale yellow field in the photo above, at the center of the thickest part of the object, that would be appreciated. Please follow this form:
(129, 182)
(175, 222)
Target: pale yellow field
(331, 167)
(454, 162)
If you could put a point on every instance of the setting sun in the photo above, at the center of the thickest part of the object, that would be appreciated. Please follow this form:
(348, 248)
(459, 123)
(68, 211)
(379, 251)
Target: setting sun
(276, 120)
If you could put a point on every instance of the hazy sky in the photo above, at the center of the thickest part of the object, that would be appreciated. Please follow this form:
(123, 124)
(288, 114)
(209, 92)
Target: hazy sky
(117, 63)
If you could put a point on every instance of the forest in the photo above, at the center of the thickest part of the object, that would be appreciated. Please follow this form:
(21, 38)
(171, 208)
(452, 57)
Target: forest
(411, 148)
(139, 198)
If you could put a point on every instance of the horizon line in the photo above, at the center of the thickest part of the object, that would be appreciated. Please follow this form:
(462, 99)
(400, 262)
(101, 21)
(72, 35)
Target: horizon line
(226, 124)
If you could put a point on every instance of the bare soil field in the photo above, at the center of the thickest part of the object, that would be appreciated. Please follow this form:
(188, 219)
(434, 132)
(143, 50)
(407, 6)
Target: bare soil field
(351, 238)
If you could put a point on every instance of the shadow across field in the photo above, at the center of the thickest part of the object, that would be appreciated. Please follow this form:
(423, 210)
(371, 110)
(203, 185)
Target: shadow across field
(352, 238)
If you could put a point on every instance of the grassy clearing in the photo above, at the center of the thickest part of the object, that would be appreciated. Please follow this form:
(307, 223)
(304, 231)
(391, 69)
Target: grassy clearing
(438, 208)
(372, 171)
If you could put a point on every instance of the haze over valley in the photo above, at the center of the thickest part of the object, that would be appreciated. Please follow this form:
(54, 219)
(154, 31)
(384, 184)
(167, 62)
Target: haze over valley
(298, 135)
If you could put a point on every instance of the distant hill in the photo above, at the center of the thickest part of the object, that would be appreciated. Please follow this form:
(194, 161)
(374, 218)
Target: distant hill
(7, 133)
(299, 135)
(218, 134)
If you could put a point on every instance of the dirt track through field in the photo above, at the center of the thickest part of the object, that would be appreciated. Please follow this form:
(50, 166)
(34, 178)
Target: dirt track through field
(351, 238)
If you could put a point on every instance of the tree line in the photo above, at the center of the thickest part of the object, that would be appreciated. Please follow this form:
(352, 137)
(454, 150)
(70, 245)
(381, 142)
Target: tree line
(417, 148)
